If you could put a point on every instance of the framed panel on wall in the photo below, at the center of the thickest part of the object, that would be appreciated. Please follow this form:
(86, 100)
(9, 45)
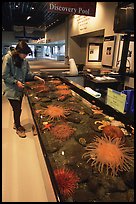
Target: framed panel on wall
(130, 57)
(108, 51)
(95, 52)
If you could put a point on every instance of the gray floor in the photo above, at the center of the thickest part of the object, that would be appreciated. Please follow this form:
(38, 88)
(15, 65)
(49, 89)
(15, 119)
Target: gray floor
(25, 176)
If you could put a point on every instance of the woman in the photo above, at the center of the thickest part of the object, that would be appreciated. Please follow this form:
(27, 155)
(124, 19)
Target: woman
(16, 72)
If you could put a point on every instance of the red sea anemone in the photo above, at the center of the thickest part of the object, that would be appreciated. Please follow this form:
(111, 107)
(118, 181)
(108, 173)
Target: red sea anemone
(62, 131)
(113, 131)
(67, 181)
(109, 153)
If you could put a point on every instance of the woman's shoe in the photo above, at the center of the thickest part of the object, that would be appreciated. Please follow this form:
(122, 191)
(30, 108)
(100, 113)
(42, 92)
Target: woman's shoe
(23, 129)
(14, 127)
(20, 132)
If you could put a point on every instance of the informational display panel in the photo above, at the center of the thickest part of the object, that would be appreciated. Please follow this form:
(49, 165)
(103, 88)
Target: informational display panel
(108, 50)
(116, 100)
(94, 52)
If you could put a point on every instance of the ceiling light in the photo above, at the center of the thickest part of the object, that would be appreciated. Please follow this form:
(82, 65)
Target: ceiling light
(28, 18)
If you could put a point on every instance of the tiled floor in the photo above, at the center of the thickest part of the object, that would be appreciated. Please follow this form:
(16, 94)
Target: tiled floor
(25, 176)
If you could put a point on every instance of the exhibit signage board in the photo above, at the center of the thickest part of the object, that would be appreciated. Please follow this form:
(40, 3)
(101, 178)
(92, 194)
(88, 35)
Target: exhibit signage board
(79, 8)
(116, 100)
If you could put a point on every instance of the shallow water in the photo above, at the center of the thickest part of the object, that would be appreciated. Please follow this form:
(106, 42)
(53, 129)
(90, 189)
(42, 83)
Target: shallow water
(65, 149)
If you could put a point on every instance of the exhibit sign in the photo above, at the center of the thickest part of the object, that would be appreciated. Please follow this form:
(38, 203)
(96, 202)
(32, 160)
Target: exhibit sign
(116, 100)
(108, 51)
(79, 8)
(94, 52)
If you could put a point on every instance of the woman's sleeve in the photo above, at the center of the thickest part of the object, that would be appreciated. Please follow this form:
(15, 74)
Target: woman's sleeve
(29, 74)
(7, 76)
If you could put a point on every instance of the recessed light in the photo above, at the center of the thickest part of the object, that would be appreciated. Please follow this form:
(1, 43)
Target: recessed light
(28, 18)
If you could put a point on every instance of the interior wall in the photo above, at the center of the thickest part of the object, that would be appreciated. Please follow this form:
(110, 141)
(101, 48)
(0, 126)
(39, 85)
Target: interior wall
(80, 25)
(103, 19)
(12, 37)
(78, 49)
(56, 34)
(8, 36)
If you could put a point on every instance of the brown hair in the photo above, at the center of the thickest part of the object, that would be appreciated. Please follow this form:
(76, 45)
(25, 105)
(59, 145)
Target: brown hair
(22, 47)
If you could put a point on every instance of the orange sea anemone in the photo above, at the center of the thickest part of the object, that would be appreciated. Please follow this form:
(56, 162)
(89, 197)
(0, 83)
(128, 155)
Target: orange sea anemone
(62, 86)
(39, 88)
(67, 181)
(62, 131)
(55, 112)
(63, 92)
(109, 154)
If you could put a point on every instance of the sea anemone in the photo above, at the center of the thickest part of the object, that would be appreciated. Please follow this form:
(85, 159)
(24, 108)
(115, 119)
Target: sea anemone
(62, 87)
(55, 112)
(63, 92)
(62, 131)
(55, 81)
(109, 153)
(41, 88)
(67, 181)
(113, 131)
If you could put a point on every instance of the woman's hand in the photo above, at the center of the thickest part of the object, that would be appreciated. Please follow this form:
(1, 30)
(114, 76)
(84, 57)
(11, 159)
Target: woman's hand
(39, 78)
(20, 84)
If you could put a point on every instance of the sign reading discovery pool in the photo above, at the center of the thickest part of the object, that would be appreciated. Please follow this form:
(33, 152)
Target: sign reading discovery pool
(79, 8)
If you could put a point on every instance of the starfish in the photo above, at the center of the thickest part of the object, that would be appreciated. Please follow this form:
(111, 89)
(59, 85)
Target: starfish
(47, 126)
(103, 122)
(97, 111)
(37, 111)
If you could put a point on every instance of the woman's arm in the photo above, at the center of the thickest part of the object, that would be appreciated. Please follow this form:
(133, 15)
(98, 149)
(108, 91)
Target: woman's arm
(31, 76)
(6, 71)
(39, 78)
